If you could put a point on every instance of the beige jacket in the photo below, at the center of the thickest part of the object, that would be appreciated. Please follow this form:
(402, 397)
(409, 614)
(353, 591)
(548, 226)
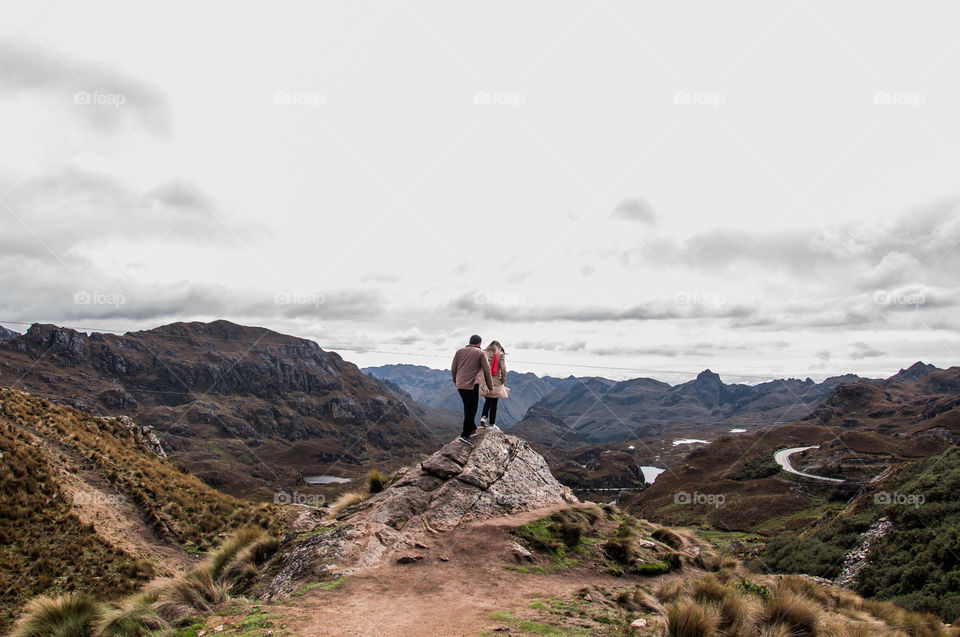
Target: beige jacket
(495, 389)
(469, 366)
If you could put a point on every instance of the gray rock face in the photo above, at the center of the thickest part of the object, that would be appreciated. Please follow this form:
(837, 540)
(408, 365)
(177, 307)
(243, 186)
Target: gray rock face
(857, 558)
(457, 484)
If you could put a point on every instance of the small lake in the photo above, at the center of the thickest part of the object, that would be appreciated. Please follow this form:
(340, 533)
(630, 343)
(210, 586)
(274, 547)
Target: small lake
(737, 431)
(688, 441)
(325, 480)
(650, 473)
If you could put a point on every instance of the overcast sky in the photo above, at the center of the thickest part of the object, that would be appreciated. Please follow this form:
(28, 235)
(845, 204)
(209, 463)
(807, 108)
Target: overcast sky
(762, 188)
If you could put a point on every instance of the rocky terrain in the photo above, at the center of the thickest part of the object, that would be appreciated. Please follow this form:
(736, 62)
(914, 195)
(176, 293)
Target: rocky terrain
(247, 409)
(502, 475)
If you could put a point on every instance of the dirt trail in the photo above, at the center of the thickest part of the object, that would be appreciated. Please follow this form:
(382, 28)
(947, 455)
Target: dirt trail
(432, 597)
(117, 519)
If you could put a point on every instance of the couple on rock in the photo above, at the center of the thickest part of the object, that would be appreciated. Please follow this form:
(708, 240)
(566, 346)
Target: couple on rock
(479, 371)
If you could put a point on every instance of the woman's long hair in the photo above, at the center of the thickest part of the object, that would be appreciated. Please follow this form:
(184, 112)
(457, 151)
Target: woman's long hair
(495, 345)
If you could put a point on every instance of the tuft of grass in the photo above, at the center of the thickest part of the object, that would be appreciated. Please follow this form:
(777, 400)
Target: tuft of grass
(559, 531)
(193, 593)
(687, 618)
(377, 481)
(347, 500)
(69, 615)
(798, 613)
(229, 550)
(668, 537)
(246, 563)
(135, 617)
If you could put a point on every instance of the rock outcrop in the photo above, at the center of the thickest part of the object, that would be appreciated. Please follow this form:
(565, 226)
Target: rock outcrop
(857, 558)
(455, 485)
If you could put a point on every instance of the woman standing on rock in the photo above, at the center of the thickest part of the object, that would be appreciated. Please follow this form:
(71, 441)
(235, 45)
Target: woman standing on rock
(498, 370)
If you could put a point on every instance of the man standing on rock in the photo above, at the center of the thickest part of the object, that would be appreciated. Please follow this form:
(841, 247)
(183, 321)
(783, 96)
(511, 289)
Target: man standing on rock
(468, 363)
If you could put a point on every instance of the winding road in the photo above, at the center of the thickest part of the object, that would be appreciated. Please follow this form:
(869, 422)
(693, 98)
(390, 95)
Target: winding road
(782, 458)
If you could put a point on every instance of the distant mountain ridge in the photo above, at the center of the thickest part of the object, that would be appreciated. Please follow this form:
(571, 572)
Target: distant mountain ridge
(434, 388)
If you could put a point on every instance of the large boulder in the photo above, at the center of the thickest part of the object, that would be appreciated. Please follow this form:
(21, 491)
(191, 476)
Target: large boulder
(501, 475)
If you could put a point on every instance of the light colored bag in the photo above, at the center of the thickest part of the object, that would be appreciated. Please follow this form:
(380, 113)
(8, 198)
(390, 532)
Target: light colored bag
(500, 391)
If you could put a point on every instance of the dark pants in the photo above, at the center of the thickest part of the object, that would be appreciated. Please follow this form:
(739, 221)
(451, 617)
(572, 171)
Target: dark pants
(490, 410)
(470, 398)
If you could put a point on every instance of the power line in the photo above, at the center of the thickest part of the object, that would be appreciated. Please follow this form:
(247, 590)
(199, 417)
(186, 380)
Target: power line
(334, 348)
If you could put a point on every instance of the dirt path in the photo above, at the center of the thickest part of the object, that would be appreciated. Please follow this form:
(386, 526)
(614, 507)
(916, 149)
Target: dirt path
(117, 519)
(433, 597)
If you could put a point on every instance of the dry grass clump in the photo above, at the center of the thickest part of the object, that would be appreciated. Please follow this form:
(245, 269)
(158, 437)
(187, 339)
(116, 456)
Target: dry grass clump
(347, 500)
(687, 618)
(668, 537)
(377, 481)
(726, 603)
(67, 615)
(135, 617)
(798, 613)
(193, 593)
(167, 602)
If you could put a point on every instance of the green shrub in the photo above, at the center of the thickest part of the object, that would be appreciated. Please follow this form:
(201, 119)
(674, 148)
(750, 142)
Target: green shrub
(757, 467)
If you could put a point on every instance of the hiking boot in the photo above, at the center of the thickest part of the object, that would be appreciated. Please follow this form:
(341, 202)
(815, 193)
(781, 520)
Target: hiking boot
(466, 440)
(483, 422)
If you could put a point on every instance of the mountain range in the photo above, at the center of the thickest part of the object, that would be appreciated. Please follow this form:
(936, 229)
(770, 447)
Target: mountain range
(434, 388)
(592, 409)
(245, 408)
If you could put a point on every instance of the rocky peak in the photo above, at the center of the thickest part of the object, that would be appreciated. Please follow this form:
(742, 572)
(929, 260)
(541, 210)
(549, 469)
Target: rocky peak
(707, 377)
(915, 371)
(63, 343)
(5, 333)
(501, 475)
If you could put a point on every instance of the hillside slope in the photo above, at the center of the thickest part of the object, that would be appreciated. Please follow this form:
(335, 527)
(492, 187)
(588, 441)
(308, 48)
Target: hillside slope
(88, 506)
(247, 409)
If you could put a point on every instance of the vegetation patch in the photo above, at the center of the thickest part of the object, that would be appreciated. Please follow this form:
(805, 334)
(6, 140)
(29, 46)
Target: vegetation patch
(169, 607)
(917, 564)
(757, 467)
